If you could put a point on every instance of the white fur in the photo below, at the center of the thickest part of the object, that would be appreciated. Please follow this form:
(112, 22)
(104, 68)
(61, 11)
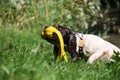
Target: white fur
(95, 48)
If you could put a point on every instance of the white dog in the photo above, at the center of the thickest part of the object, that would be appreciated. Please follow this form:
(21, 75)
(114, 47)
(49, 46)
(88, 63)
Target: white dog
(88, 45)
(95, 47)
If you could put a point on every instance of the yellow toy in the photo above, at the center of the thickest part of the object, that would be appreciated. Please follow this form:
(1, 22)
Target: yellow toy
(51, 33)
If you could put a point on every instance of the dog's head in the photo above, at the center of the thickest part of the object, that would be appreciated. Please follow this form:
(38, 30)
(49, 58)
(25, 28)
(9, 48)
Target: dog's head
(53, 35)
(50, 35)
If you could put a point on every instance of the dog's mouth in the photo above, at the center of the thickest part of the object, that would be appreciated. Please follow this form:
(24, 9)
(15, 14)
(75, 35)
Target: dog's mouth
(49, 37)
(48, 34)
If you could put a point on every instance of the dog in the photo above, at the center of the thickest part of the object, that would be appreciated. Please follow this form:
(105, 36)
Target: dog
(85, 45)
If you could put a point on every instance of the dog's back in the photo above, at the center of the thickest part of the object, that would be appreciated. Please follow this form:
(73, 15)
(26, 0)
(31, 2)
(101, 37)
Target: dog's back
(93, 43)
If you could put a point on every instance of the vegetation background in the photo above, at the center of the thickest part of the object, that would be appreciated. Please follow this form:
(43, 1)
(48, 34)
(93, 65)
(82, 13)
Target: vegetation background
(25, 56)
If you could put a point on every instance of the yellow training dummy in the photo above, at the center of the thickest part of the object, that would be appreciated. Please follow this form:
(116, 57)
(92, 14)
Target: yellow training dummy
(49, 34)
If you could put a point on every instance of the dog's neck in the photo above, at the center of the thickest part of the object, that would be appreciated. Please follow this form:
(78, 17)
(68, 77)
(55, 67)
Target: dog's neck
(81, 42)
(66, 39)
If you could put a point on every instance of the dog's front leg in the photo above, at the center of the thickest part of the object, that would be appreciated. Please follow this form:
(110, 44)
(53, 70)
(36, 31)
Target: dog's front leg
(55, 51)
(73, 54)
(72, 48)
(98, 54)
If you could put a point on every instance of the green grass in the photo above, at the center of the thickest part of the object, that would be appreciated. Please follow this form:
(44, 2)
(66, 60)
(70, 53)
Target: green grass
(25, 56)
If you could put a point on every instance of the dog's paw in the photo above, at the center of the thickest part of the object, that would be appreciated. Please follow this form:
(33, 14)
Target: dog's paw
(74, 59)
(90, 61)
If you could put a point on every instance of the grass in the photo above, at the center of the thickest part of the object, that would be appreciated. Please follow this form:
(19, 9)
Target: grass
(25, 56)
